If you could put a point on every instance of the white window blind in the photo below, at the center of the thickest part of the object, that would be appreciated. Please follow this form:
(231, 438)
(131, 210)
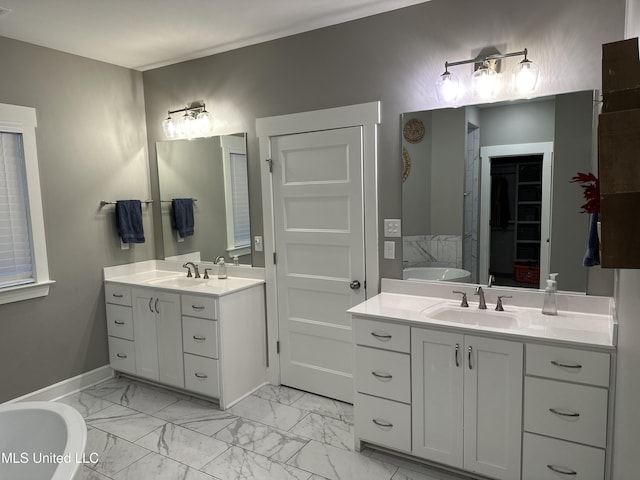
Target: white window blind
(240, 199)
(16, 259)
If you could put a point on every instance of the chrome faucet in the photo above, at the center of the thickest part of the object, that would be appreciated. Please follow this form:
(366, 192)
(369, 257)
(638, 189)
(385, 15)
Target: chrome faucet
(195, 269)
(491, 280)
(482, 305)
(499, 307)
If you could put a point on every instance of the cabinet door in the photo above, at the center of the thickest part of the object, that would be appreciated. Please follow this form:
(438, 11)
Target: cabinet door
(437, 396)
(493, 407)
(144, 333)
(169, 338)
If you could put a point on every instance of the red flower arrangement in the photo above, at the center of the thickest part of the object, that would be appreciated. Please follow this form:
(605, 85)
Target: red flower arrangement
(591, 186)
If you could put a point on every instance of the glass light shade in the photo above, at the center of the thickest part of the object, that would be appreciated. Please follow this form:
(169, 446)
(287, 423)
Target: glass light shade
(169, 127)
(485, 82)
(525, 77)
(447, 87)
(205, 123)
(189, 126)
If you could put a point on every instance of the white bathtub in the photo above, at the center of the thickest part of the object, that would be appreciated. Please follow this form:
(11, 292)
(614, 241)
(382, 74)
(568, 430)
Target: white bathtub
(436, 273)
(41, 441)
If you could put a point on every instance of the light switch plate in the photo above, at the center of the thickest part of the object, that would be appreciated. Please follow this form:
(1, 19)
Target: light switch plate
(392, 227)
(257, 243)
(390, 250)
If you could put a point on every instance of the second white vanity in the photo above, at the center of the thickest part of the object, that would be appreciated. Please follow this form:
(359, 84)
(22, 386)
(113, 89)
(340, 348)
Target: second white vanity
(203, 336)
(508, 395)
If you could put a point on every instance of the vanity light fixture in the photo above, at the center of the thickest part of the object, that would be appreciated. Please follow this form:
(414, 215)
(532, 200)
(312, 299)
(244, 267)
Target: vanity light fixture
(196, 122)
(485, 77)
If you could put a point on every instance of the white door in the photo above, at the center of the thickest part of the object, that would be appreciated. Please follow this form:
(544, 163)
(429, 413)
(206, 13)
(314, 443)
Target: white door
(144, 333)
(319, 245)
(437, 395)
(169, 335)
(493, 407)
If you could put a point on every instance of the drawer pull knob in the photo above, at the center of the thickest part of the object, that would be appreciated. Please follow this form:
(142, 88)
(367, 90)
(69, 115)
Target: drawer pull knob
(386, 376)
(382, 423)
(200, 375)
(566, 365)
(117, 295)
(199, 339)
(121, 355)
(383, 336)
(561, 470)
(564, 414)
(118, 322)
(197, 307)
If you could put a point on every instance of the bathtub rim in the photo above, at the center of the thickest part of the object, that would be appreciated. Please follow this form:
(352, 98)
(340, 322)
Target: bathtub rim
(76, 432)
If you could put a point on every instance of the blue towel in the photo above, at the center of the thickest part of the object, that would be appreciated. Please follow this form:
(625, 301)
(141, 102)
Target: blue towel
(129, 221)
(183, 216)
(592, 256)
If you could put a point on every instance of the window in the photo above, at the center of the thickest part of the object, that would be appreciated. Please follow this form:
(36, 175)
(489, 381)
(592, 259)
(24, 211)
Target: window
(236, 186)
(24, 272)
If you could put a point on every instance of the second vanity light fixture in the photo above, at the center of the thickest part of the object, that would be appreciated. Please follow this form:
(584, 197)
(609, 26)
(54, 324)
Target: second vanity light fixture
(485, 78)
(195, 122)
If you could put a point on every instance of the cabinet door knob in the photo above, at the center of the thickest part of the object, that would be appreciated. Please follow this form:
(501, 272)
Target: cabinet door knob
(355, 285)
(150, 307)
(457, 355)
(156, 305)
(470, 354)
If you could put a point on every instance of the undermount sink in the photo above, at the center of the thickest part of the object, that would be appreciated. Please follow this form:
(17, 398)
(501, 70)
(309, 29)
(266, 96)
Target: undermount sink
(178, 282)
(473, 316)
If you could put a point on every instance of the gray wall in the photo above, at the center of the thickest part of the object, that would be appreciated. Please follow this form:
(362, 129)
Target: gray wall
(394, 57)
(517, 123)
(91, 146)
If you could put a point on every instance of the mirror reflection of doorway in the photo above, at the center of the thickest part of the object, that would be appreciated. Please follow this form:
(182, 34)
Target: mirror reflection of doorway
(515, 220)
(515, 214)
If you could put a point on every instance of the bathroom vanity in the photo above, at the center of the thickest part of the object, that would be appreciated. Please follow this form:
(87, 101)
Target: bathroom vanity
(205, 336)
(506, 395)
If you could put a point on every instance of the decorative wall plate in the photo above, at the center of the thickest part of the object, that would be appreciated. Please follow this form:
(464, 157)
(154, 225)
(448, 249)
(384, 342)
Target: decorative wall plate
(413, 130)
(406, 164)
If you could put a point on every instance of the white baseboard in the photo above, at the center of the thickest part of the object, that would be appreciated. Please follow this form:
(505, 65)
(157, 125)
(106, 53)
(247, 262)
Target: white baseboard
(68, 386)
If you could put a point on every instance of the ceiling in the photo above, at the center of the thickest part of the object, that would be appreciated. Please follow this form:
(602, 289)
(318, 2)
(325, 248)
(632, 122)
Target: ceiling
(146, 34)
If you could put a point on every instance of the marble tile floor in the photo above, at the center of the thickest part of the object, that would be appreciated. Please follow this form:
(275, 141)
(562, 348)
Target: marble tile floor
(143, 432)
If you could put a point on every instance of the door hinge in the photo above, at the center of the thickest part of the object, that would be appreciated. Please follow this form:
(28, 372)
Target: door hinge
(270, 162)
(274, 258)
(278, 347)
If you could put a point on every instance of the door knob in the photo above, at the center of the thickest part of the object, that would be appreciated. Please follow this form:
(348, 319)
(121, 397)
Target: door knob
(355, 285)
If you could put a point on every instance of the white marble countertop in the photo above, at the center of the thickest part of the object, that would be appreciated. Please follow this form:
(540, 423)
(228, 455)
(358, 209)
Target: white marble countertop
(580, 328)
(167, 275)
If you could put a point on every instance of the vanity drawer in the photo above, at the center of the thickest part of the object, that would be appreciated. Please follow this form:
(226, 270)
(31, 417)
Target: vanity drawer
(199, 306)
(580, 366)
(580, 411)
(201, 375)
(383, 374)
(390, 336)
(383, 422)
(543, 458)
(118, 294)
(122, 356)
(120, 321)
(200, 336)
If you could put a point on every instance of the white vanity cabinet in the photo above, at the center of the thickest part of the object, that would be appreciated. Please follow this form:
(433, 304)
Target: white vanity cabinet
(158, 336)
(209, 344)
(566, 412)
(467, 401)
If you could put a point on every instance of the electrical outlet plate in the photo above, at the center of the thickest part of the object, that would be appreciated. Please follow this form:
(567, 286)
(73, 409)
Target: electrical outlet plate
(392, 227)
(390, 250)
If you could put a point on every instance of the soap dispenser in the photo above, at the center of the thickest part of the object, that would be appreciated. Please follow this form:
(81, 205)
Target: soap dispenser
(550, 306)
(222, 268)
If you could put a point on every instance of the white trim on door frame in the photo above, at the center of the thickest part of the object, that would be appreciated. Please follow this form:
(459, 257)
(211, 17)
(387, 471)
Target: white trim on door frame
(486, 153)
(366, 115)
